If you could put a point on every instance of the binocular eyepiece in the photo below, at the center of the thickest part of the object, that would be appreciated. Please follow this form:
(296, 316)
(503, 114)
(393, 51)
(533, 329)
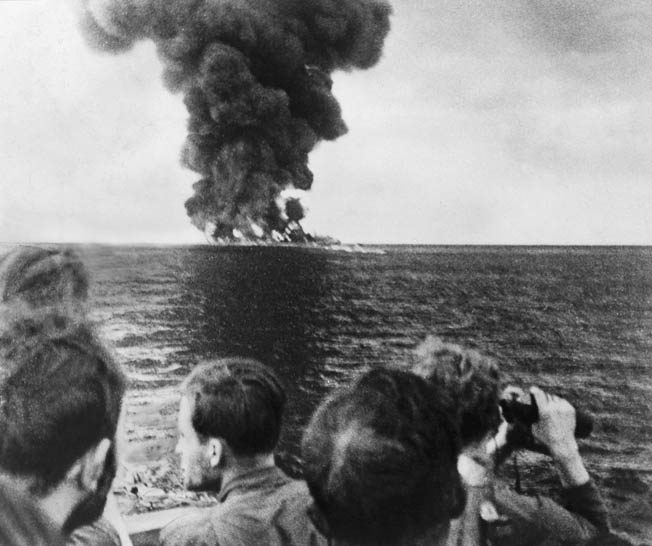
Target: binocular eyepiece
(516, 412)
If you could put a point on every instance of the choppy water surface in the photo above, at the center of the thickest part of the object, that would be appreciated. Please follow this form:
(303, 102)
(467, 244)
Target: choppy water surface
(575, 320)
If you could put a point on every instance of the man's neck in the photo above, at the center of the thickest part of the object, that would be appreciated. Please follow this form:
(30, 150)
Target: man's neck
(243, 465)
(57, 505)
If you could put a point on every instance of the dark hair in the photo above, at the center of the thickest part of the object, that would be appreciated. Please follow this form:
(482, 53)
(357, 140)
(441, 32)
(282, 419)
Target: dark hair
(380, 460)
(40, 290)
(42, 277)
(471, 379)
(63, 394)
(239, 400)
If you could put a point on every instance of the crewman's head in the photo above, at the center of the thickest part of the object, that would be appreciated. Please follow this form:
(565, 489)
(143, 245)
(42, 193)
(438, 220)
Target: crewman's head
(230, 409)
(380, 460)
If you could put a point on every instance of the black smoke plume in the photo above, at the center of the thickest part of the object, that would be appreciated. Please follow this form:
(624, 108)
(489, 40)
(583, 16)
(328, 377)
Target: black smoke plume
(255, 75)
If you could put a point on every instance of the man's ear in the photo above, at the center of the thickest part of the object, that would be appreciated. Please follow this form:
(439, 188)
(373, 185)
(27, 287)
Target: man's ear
(93, 464)
(215, 452)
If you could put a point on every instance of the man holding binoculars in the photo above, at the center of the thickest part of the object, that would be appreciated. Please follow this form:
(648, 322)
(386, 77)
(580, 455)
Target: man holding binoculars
(507, 517)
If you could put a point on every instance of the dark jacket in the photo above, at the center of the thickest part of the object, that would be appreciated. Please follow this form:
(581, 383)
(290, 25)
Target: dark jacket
(508, 518)
(263, 507)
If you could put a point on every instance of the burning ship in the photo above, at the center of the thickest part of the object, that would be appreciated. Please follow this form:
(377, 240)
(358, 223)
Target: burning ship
(292, 235)
(289, 232)
(256, 81)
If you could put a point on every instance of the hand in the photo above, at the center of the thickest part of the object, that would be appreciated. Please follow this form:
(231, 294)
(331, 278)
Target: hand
(556, 430)
(556, 425)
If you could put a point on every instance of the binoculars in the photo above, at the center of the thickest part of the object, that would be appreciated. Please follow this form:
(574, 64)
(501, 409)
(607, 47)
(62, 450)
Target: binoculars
(519, 413)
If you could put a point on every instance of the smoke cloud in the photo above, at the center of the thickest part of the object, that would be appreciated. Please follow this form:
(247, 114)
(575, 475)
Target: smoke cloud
(255, 75)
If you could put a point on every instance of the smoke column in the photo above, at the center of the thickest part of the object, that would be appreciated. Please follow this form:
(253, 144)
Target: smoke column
(255, 75)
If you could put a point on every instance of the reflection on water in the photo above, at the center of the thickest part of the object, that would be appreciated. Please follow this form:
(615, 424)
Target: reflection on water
(263, 307)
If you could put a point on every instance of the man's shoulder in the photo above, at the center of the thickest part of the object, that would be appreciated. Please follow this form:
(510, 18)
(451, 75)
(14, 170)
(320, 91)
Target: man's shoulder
(259, 516)
(532, 510)
(276, 516)
(505, 495)
(194, 529)
(541, 517)
(295, 489)
(296, 496)
(509, 499)
(285, 490)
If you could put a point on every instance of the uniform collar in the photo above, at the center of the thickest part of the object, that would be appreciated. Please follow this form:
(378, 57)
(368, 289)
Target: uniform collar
(259, 478)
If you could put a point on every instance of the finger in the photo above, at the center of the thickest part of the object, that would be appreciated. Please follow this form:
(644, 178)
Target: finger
(560, 402)
(540, 397)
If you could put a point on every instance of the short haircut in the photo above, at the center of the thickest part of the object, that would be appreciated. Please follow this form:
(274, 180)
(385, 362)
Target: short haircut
(42, 277)
(471, 379)
(239, 400)
(380, 460)
(63, 394)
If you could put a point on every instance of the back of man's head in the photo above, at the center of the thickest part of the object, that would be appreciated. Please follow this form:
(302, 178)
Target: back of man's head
(380, 462)
(41, 277)
(40, 289)
(62, 396)
(238, 400)
(470, 379)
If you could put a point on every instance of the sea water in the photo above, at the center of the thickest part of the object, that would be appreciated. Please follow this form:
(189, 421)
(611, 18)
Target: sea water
(574, 320)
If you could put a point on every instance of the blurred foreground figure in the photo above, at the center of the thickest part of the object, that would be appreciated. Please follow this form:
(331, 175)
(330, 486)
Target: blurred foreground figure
(509, 518)
(44, 291)
(380, 461)
(59, 411)
(42, 278)
(39, 289)
(230, 418)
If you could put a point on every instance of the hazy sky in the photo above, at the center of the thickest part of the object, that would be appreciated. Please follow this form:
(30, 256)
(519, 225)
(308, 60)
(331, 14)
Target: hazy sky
(486, 121)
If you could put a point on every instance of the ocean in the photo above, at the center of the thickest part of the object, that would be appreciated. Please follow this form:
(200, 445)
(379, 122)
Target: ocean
(574, 320)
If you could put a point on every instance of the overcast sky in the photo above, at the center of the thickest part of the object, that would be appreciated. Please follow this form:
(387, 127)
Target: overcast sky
(486, 121)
